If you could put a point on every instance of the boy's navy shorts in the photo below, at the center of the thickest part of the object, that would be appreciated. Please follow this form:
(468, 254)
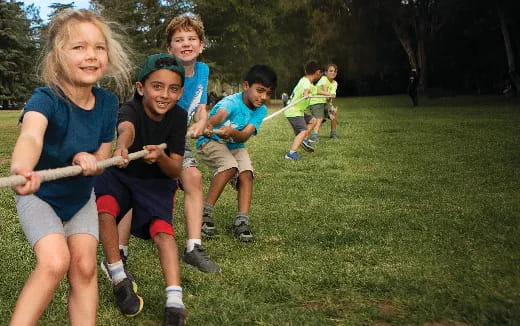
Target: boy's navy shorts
(149, 198)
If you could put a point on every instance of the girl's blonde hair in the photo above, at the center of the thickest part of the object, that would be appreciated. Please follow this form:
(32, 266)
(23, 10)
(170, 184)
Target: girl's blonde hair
(53, 72)
(184, 23)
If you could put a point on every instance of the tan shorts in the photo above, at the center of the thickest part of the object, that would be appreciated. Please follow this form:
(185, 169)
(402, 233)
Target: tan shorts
(219, 158)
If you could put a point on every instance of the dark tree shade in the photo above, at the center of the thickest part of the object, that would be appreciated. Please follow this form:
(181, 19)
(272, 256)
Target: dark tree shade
(18, 51)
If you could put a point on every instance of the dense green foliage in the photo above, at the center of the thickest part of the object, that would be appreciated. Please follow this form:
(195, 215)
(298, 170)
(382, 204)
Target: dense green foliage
(17, 53)
(411, 218)
(458, 46)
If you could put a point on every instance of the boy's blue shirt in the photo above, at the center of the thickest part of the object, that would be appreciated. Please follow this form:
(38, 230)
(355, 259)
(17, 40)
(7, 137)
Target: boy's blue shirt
(239, 116)
(191, 84)
(71, 130)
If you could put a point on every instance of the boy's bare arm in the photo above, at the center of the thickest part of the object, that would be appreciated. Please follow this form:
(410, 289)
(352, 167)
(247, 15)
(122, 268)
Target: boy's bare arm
(201, 121)
(218, 117)
(240, 136)
(323, 91)
(125, 138)
(170, 165)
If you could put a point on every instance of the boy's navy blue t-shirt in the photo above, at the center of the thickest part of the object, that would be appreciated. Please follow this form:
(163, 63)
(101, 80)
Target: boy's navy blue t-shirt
(170, 130)
(70, 130)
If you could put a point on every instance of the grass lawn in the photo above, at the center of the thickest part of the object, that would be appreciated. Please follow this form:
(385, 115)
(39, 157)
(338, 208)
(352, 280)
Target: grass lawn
(411, 218)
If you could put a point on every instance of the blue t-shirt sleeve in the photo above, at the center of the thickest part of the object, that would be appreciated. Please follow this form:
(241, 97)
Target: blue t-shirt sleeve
(258, 117)
(43, 101)
(203, 80)
(110, 108)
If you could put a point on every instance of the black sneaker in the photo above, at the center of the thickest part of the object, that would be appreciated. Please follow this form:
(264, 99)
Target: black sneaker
(242, 230)
(208, 228)
(198, 258)
(128, 302)
(174, 316)
(104, 268)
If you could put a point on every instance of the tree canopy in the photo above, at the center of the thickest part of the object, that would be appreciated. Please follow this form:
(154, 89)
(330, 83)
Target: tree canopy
(457, 46)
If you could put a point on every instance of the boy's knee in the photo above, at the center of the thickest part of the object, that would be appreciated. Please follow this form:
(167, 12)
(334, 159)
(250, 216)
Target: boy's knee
(108, 204)
(246, 176)
(190, 175)
(160, 230)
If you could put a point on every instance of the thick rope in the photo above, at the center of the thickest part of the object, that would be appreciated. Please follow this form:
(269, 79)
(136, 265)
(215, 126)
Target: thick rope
(272, 115)
(70, 171)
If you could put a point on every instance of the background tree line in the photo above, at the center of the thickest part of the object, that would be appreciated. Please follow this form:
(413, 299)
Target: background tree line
(458, 46)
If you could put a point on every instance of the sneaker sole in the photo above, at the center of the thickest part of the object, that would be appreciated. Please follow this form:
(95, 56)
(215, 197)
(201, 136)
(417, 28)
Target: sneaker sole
(141, 305)
(307, 148)
(292, 159)
(209, 233)
(107, 274)
(246, 238)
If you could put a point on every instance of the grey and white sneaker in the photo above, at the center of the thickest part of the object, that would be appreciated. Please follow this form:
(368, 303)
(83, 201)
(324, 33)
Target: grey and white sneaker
(208, 227)
(242, 230)
(198, 259)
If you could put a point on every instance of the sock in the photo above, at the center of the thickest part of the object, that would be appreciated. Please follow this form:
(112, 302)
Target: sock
(190, 244)
(124, 249)
(292, 152)
(174, 296)
(314, 134)
(333, 132)
(117, 271)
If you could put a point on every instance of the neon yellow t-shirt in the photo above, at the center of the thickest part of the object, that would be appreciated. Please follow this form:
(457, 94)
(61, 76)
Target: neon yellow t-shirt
(297, 93)
(331, 87)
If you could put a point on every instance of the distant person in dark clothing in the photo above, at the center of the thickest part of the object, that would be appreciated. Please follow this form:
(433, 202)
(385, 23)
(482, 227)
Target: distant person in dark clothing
(285, 99)
(413, 82)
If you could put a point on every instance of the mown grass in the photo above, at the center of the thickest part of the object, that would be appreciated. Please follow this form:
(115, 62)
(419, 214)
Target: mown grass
(411, 218)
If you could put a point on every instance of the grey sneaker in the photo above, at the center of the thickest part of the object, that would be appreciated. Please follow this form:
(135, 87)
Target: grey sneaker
(334, 136)
(104, 268)
(242, 230)
(314, 138)
(208, 228)
(198, 258)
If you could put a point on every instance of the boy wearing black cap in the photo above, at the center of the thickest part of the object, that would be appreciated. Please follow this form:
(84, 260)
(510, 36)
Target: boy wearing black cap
(147, 186)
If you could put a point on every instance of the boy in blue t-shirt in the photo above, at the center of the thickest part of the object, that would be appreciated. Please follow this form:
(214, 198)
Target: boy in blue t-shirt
(236, 118)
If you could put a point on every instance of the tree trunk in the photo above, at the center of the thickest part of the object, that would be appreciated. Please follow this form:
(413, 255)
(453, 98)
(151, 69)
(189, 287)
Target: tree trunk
(509, 49)
(406, 43)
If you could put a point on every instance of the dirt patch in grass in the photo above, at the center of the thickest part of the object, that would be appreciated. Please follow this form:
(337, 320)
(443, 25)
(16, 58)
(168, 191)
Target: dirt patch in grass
(388, 308)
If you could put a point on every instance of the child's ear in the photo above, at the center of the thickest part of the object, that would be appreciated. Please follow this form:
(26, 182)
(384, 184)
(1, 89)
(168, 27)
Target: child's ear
(245, 85)
(139, 86)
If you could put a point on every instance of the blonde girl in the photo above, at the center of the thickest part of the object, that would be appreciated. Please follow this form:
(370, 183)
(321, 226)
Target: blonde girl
(67, 122)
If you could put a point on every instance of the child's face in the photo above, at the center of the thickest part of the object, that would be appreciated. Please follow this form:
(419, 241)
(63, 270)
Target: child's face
(256, 95)
(331, 73)
(85, 55)
(186, 45)
(161, 91)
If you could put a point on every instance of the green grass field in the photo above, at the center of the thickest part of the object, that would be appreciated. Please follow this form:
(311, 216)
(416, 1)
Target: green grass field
(411, 218)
